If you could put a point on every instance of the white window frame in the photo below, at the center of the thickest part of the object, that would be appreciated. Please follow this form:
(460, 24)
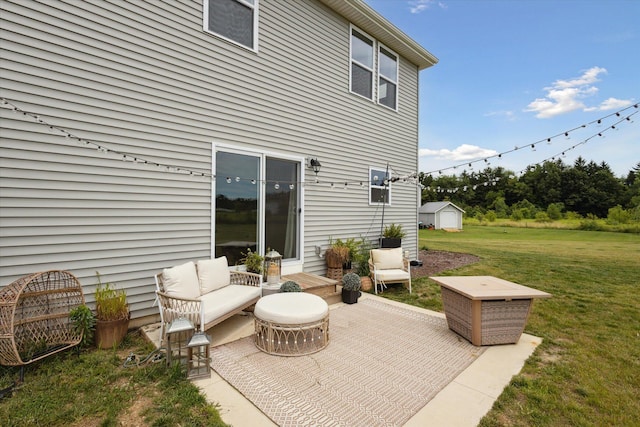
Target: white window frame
(252, 4)
(387, 78)
(352, 61)
(376, 75)
(262, 155)
(383, 170)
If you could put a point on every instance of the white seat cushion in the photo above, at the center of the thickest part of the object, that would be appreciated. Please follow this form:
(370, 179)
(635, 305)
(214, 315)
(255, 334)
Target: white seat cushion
(387, 258)
(181, 281)
(213, 274)
(224, 300)
(290, 308)
(392, 275)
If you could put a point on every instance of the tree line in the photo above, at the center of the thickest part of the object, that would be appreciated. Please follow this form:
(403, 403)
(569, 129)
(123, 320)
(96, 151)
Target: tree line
(584, 189)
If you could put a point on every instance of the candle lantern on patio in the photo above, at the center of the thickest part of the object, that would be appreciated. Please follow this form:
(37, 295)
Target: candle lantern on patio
(198, 356)
(179, 332)
(273, 267)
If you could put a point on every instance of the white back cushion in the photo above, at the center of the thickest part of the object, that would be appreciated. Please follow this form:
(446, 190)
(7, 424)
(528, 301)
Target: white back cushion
(213, 274)
(181, 281)
(385, 259)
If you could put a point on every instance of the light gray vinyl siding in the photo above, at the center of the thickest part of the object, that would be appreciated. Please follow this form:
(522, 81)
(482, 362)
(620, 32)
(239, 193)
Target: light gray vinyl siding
(143, 78)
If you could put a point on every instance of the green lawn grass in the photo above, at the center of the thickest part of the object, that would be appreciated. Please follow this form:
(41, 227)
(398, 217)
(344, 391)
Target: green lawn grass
(94, 388)
(585, 373)
(587, 370)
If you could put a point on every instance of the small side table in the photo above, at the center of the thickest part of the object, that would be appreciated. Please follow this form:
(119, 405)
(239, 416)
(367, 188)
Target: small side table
(486, 310)
(178, 333)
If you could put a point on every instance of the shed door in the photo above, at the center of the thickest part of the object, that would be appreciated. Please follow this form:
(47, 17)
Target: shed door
(448, 219)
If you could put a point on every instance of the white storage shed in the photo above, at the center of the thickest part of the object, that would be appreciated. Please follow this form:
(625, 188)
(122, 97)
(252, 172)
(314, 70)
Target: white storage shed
(440, 215)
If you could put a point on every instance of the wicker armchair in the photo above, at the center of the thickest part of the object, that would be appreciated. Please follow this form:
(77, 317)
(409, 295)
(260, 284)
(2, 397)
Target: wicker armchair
(34, 316)
(389, 266)
(211, 306)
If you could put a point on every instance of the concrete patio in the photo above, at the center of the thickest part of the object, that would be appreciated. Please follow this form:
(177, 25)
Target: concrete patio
(478, 386)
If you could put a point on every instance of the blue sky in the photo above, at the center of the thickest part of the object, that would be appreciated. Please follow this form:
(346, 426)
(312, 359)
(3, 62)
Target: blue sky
(513, 73)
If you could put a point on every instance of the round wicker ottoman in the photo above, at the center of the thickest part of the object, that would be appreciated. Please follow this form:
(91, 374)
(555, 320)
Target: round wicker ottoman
(291, 324)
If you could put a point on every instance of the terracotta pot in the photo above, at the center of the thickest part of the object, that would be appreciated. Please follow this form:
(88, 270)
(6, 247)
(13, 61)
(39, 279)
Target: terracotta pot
(110, 333)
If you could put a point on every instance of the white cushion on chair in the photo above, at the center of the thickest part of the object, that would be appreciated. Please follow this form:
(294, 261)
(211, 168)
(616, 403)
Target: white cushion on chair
(385, 259)
(213, 274)
(181, 281)
(392, 275)
(227, 299)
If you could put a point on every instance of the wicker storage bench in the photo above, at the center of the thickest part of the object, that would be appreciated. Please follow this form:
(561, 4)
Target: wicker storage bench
(486, 310)
(34, 316)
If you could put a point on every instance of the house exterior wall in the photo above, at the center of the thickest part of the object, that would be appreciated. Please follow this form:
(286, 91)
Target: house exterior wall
(143, 78)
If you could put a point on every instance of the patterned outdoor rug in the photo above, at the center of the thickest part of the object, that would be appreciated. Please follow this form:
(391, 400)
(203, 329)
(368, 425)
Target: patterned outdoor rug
(382, 365)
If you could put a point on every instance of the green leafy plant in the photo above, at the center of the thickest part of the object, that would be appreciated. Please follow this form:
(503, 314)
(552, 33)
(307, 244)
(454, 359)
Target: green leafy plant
(290, 286)
(253, 261)
(351, 282)
(111, 303)
(393, 231)
(361, 259)
(84, 322)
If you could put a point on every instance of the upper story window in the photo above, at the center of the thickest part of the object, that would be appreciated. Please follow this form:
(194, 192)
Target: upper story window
(234, 20)
(379, 186)
(367, 79)
(387, 77)
(361, 64)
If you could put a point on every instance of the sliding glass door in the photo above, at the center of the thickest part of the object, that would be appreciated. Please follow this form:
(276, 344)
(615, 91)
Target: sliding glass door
(257, 205)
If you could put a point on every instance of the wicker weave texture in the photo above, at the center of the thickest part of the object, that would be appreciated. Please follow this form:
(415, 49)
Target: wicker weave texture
(502, 322)
(335, 273)
(34, 316)
(291, 339)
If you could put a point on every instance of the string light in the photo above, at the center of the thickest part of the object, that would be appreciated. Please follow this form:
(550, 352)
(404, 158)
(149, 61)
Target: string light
(411, 178)
(548, 140)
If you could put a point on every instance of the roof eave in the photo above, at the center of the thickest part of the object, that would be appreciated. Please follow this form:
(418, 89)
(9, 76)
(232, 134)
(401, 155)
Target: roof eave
(367, 19)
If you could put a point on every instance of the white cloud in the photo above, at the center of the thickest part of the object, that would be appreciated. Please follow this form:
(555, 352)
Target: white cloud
(565, 96)
(509, 115)
(462, 153)
(417, 6)
(611, 104)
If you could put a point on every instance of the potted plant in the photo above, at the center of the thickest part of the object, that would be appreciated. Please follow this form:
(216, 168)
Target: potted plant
(350, 288)
(253, 261)
(290, 286)
(84, 322)
(112, 315)
(392, 236)
(337, 254)
(362, 268)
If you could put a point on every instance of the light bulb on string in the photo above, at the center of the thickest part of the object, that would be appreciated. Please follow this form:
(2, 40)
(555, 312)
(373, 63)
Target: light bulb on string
(228, 180)
(291, 186)
(237, 179)
(253, 181)
(276, 186)
(549, 141)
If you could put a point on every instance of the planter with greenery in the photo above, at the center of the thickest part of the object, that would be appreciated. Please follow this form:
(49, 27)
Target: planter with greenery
(337, 254)
(253, 261)
(392, 236)
(84, 322)
(350, 288)
(361, 265)
(290, 286)
(112, 314)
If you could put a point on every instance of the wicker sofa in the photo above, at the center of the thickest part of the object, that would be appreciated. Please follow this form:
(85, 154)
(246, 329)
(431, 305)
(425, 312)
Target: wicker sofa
(205, 292)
